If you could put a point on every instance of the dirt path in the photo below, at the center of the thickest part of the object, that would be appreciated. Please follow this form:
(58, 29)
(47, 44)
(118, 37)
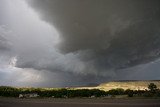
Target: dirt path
(12, 102)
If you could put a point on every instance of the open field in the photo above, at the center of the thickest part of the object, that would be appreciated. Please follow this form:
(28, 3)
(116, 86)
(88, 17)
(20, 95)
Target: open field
(130, 84)
(133, 85)
(13, 102)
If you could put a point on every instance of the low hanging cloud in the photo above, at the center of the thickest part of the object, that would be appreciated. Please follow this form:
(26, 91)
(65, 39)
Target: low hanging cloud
(78, 42)
(117, 34)
(33, 43)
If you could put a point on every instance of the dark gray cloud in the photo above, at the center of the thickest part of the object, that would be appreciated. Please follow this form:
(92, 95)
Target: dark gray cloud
(32, 42)
(78, 42)
(119, 34)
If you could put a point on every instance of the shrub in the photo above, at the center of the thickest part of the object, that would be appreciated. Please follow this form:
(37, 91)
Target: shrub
(129, 92)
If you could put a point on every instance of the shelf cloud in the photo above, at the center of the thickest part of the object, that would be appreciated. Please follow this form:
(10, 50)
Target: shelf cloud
(82, 41)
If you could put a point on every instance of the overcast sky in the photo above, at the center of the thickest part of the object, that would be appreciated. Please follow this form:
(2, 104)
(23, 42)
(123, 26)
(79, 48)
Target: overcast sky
(58, 43)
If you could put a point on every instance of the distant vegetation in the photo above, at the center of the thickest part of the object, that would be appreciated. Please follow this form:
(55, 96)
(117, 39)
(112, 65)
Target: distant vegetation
(152, 91)
(130, 84)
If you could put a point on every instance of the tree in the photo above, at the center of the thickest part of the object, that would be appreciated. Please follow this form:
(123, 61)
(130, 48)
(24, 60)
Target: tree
(129, 92)
(118, 91)
(152, 87)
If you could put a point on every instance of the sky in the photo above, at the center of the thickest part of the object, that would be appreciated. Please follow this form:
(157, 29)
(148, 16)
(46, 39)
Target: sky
(61, 43)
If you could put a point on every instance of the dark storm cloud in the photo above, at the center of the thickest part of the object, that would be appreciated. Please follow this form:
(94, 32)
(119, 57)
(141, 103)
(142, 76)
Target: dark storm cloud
(118, 33)
(78, 42)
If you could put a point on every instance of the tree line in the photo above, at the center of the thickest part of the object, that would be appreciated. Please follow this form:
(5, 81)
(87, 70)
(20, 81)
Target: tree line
(152, 91)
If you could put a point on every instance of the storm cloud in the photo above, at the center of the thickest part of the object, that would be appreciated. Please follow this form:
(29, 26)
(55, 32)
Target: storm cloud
(118, 34)
(79, 42)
